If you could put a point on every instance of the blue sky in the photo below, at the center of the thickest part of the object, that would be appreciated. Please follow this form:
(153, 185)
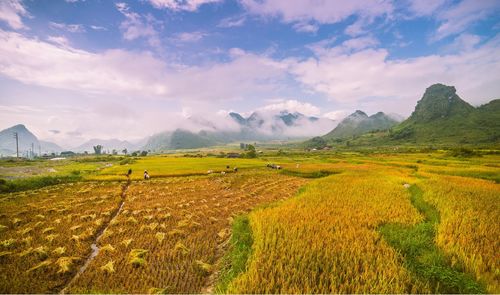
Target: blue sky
(128, 69)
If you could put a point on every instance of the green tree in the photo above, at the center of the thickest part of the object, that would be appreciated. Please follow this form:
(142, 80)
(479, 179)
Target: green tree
(251, 152)
(98, 149)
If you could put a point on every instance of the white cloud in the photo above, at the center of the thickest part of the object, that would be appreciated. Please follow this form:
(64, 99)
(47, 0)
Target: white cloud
(337, 115)
(72, 28)
(460, 17)
(137, 26)
(235, 52)
(245, 76)
(234, 21)
(190, 36)
(425, 7)
(357, 28)
(306, 27)
(360, 43)
(464, 42)
(180, 5)
(292, 106)
(98, 28)
(370, 78)
(11, 12)
(131, 74)
(321, 46)
(114, 71)
(321, 12)
(59, 40)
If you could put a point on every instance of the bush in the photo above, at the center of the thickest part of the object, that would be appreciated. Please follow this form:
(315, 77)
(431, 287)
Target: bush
(312, 174)
(317, 143)
(251, 152)
(462, 152)
(405, 132)
(23, 184)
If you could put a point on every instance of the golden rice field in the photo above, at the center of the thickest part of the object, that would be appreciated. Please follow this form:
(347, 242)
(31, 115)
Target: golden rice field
(325, 240)
(173, 234)
(469, 230)
(167, 237)
(46, 234)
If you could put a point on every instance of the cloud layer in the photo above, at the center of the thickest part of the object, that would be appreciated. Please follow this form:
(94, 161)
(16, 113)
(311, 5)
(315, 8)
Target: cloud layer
(357, 71)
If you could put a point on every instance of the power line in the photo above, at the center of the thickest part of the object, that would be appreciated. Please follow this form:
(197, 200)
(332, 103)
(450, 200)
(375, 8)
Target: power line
(16, 136)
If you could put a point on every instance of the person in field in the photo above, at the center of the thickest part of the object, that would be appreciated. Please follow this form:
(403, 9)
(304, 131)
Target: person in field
(146, 175)
(129, 173)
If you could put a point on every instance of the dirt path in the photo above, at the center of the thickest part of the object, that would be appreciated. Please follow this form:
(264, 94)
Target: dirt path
(94, 247)
(209, 287)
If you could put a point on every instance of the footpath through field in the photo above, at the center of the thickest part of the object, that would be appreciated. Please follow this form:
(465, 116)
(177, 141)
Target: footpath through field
(100, 233)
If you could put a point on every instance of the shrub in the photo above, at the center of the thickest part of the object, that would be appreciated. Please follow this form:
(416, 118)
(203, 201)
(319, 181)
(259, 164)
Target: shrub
(23, 184)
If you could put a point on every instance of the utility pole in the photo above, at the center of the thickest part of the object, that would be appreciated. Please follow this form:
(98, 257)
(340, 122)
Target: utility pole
(32, 150)
(39, 151)
(16, 136)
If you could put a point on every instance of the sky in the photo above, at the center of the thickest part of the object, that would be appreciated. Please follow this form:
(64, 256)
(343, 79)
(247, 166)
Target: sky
(72, 70)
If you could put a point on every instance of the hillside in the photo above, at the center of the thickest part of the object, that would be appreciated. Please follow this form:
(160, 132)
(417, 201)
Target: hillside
(441, 116)
(26, 139)
(179, 139)
(108, 145)
(258, 126)
(358, 123)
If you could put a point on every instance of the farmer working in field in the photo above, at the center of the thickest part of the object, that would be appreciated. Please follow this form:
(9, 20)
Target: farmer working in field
(129, 173)
(146, 175)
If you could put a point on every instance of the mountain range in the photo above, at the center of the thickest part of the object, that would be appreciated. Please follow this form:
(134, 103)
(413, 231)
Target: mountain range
(440, 117)
(258, 126)
(359, 122)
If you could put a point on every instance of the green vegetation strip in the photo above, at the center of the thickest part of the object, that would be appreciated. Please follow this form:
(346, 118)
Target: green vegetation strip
(235, 261)
(313, 174)
(426, 262)
(24, 184)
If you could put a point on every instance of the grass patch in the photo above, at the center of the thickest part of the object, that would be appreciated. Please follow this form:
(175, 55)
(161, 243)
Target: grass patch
(235, 261)
(23, 184)
(427, 263)
(312, 174)
(486, 175)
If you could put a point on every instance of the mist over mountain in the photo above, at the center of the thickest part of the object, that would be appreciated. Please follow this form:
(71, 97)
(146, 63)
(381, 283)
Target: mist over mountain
(258, 126)
(108, 145)
(26, 139)
(440, 117)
